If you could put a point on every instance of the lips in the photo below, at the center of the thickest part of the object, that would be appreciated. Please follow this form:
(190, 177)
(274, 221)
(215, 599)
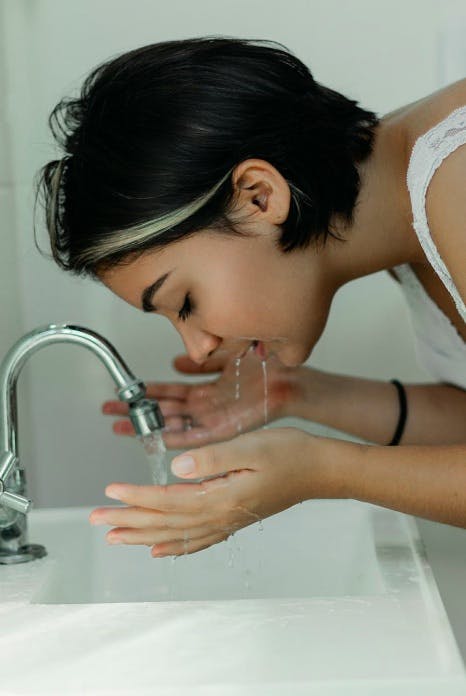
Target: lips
(259, 349)
(256, 347)
(244, 352)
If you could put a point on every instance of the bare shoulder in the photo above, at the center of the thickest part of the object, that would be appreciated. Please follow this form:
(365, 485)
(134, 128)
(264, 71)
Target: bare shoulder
(422, 115)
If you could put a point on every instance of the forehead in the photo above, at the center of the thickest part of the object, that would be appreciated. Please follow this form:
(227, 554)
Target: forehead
(137, 271)
(195, 257)
(133, 274)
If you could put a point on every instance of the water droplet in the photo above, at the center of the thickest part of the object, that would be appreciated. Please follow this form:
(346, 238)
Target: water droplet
(231, 551)
(239, 427)
(237, 388)
(264, 373)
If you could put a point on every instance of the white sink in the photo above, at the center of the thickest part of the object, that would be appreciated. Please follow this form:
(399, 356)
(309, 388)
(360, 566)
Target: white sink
(320, 550)
(331, 593)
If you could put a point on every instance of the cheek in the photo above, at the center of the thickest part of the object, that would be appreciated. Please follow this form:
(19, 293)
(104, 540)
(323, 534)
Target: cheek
(234, 296)
(249, 299)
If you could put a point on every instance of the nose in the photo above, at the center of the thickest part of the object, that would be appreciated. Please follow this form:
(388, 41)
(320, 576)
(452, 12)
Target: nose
(200, 344)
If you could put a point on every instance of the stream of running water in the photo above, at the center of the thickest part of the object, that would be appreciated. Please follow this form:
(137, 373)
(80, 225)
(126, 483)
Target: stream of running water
(158, 466)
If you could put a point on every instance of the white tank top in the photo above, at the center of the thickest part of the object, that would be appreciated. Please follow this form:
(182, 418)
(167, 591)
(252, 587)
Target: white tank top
(439, 346)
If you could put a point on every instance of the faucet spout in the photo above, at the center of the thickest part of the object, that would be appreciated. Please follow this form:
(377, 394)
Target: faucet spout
(144, 413)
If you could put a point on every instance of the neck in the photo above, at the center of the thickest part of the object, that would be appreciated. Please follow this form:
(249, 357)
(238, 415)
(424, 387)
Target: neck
(381, 235)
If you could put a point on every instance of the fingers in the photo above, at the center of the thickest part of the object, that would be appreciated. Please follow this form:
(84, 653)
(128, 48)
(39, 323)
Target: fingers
(153, 535)
(115, 408)
(168, 394)
(123, 427)
(129, 517)
(176, 536)
(189, 545)
(165, 543)
(195, 437)
(186, 528)
(142, 518)
(177, 498)
(216, 459)
(170, 390)
(177, 434)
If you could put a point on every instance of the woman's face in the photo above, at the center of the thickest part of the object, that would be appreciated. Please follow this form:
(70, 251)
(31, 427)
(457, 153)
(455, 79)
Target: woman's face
(222, 293)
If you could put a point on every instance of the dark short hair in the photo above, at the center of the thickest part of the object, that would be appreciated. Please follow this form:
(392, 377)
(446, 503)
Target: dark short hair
(151, 141)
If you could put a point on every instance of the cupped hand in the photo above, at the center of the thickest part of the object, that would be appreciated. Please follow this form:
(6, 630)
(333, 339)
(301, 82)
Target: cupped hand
(254, 476)
(216, 410)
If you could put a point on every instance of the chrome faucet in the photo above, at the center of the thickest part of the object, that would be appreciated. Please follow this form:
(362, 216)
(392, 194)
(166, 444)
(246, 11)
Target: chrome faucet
(144, 413)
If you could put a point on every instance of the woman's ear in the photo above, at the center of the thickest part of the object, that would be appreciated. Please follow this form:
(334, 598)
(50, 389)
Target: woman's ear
(260, 185)
(261, 201)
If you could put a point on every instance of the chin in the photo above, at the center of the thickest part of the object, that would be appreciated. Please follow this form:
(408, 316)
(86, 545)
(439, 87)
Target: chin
(294, 357)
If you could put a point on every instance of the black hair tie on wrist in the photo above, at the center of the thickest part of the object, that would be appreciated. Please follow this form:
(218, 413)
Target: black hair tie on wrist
(403, 413)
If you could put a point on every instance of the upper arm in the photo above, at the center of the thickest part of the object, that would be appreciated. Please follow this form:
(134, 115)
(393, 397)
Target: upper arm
(446, 215)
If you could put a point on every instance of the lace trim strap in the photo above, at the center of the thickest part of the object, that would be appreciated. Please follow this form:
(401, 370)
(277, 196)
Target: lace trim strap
(428, 153)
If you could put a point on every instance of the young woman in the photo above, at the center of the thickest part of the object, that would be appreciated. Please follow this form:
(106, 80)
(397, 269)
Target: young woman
(215, 182)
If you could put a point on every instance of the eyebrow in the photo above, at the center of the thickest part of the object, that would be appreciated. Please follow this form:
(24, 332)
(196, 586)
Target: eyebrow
(148, 293)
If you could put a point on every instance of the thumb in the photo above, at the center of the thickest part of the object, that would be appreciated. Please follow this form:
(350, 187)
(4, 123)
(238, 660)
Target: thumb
(212, 460)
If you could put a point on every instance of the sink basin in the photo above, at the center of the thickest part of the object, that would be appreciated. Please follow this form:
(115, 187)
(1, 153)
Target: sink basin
(322, 550)
(329, 595)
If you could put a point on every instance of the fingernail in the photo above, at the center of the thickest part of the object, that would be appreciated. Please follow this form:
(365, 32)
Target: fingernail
(96, 520)
(112, 493)
(183, 465)
(114, 540)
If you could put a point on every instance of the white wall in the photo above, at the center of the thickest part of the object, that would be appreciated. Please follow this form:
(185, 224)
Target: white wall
(384, 54)
(9, 286)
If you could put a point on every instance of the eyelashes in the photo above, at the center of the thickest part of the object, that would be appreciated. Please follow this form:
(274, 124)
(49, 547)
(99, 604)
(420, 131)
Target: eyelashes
(186, 309)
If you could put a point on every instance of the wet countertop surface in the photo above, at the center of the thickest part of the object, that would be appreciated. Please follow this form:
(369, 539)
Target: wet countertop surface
(389, 634)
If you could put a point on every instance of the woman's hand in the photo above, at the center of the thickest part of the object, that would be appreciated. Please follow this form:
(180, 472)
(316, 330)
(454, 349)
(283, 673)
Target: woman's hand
(256, 475)
(196, 414)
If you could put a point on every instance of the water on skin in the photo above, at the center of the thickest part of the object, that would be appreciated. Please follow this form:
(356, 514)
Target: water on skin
(171, 581)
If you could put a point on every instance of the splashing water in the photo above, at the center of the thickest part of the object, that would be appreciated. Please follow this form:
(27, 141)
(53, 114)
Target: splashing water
(231, 550)
(155, 449)
(260, 550)
(171, 579)
(237, 391)
(239, 427)
(266, 409)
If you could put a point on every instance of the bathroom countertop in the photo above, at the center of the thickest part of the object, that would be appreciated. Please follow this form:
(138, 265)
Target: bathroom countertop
(372, 621)
(221, 648)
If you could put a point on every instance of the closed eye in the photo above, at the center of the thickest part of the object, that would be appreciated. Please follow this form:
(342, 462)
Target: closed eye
(186, 309)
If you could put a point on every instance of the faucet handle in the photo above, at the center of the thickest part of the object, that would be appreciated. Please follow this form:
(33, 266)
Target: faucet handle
(13, 500)
(8, 462)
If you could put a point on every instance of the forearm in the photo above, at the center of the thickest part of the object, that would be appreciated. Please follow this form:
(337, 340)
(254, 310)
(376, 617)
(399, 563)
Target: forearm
(369, 409)
(426, 481)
